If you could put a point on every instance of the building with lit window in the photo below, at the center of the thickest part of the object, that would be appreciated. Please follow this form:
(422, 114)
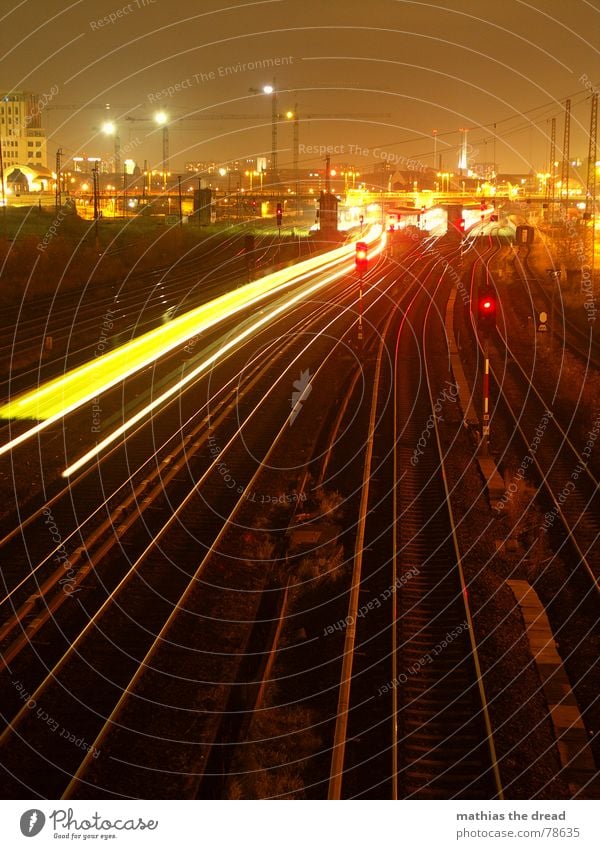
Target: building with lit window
(22, 137)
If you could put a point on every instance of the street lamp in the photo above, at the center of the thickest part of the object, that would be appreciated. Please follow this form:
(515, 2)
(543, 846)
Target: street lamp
(292, 115)
(95, 184)
(251, 174)
(162, 120)
(109, 128)
(272, 91)
(222, 172)
(351, 173)
(543, 183)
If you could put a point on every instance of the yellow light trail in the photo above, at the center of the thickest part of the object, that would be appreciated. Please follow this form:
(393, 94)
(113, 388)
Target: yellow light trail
(244, 334)
(63, 395)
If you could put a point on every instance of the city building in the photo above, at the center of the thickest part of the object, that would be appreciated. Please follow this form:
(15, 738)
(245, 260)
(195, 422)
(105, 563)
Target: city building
(23, 141)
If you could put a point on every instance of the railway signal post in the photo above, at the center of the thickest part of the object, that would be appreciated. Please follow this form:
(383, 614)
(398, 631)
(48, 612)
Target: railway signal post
(362, 263)
(486, 322)
(554, 275)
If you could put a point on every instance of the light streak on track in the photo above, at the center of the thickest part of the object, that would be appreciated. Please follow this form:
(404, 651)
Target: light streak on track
(63, 395)
(203, 366)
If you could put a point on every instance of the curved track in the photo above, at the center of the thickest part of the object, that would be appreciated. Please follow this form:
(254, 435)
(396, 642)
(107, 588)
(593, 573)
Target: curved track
(412, 712)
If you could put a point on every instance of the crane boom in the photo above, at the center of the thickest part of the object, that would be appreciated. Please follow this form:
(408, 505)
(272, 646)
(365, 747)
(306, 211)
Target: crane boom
(256, 117)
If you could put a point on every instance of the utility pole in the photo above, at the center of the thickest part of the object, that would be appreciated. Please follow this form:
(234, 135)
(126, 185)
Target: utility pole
(552, 177)
(57, 191)
(564, 175)
(590, 193)
(296, 155)
(165, 146)
(486, 322)
(274, 118)
(179, 196)
(96, 209)
(117, 153)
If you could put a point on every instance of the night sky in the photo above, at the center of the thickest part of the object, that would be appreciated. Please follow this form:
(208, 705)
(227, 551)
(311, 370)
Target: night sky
(439, 65)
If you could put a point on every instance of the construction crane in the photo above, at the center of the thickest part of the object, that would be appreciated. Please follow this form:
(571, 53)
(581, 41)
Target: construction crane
(110, 127)
(232, 116)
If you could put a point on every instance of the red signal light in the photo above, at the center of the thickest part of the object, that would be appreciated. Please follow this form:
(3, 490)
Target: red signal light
(487, 310)
(362, 258)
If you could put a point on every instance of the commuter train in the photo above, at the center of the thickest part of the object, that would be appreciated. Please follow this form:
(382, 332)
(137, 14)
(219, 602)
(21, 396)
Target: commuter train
(440, 220)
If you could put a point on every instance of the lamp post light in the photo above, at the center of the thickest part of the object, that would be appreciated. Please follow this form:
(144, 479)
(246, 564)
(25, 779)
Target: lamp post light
(95, 188)
(162, 120)
(222, 173)
(292, 115)
(109, 128)
(353, 175)
(272, 91)
(226, 172)
(543, 183)
(180, 200)
(250, 174)
(444, 177)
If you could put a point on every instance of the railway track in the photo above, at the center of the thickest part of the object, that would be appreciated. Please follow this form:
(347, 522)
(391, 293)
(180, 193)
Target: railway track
(120, 316)
(35, 599)
(117, 404)
(148, 579)
(235, 714)
(110, 501)
(412, 718)
(582, 345)
(98, 691)
(122, 729)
